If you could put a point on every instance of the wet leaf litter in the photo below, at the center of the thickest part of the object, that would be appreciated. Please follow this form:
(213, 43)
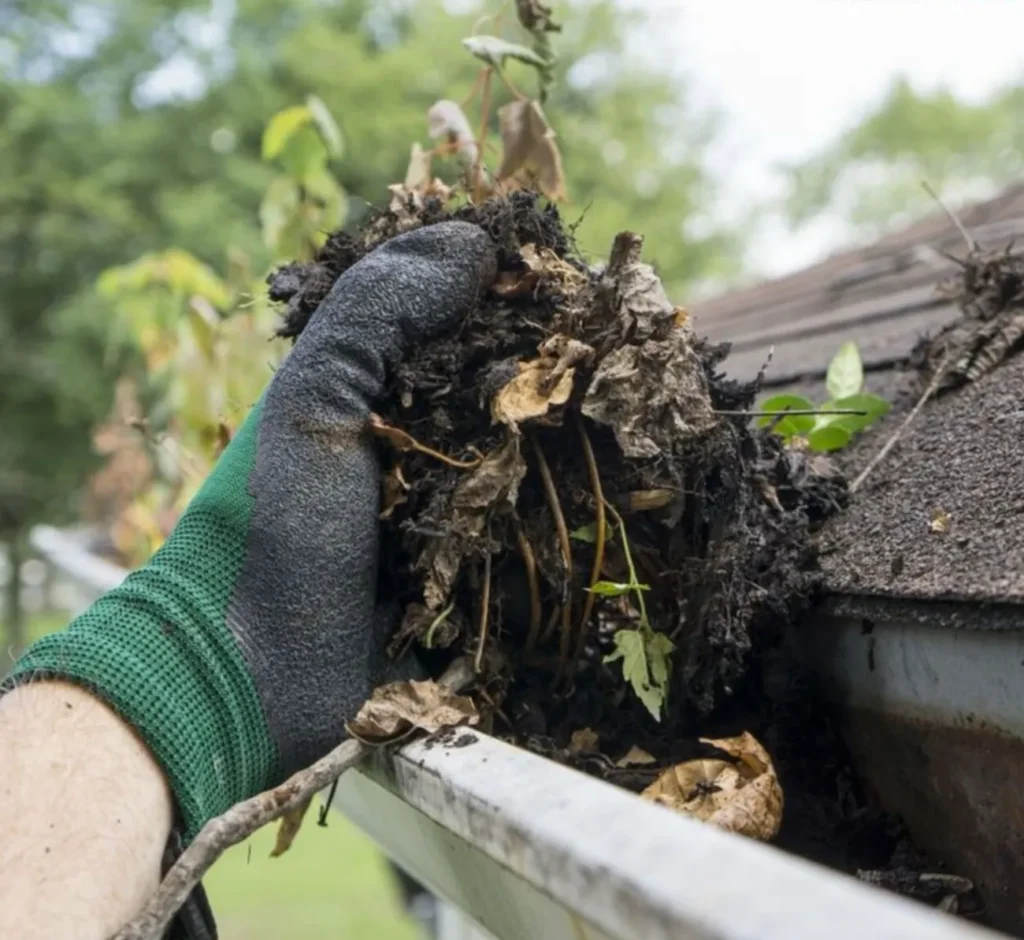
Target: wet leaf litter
(566, 502)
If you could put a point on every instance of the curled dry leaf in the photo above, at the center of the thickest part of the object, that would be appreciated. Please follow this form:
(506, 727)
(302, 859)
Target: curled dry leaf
(447, 120)
(635, 757)
(527, 395)
(530, 152)
(395, 708)
(742, 796)
(583, 740)
(636, 293)
(291, 823)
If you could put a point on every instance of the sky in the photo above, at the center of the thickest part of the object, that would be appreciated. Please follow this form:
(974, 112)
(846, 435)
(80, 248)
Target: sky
(790, 75)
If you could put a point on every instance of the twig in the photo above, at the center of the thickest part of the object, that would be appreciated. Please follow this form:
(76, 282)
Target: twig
(601, 532)
(485, 604)
(972, 245)
(786, 412)
(530, 561)
(898, 433)
(234, 826)
(551, 493)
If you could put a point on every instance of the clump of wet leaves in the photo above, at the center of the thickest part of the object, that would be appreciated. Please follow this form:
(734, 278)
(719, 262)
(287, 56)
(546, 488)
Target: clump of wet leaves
(562, 499)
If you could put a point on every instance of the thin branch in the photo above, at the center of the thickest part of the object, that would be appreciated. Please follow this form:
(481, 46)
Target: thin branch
(787, 412)
(551, 493)
(972, 245)
(898, 433)
(601, 532)
(485, 605)
(530, 561)
(235, 826)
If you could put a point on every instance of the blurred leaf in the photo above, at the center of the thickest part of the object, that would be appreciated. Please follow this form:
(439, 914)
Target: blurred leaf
(845, 372)
(874, 407)
(278, 207)
(615, 588)
(447, 119)
(788, 426)
(327, 126)
(529, 148)
(304, 155)
(418, 173)
(282, 127)
(828, 438)
(494, 51)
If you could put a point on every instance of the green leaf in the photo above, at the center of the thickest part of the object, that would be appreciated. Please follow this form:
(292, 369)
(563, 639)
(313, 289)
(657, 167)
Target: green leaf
(588, 533)
(873, 406)
(282, 127)
(845, 372)
(616, 588)
(645, 665)
(494, 51)
(827, 438)
(305, 155)
(278, 207)
(787, 427)
(327, 126)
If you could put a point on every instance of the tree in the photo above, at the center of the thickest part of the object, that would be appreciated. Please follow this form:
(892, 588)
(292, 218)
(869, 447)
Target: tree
(872, 174)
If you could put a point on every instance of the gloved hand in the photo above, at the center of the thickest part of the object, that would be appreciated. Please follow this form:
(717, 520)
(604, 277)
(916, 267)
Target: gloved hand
(241, 648)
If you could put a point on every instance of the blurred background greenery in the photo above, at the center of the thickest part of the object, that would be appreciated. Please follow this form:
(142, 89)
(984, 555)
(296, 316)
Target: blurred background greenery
(141, 208)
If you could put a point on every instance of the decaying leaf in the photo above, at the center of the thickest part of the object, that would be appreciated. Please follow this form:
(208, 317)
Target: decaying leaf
(645, 664)
(653, 396)
(583, 740)
(395, 708)
(635, 757)
(941, 521)
(289, 828)
(636, 294)
(529, 148)
(742, 796)
(525, 397)
(446, 119)
(492, 485)
(552, 270)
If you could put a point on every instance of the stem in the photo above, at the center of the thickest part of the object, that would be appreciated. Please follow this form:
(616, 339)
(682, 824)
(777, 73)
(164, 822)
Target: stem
(485, 604)
(530, 561)
(633, 580)
(551, 493)
(785, 412)
(428, 640)
(600, 526)
(14, 614)
(485, 106)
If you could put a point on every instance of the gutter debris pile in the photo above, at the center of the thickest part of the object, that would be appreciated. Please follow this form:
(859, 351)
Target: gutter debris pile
(574, 497)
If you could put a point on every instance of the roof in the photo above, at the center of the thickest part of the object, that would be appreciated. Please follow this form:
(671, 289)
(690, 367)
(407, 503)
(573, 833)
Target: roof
(960, 456)
(884, 295)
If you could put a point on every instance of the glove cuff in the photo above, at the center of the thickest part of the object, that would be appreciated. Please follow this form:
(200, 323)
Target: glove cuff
(157, 649)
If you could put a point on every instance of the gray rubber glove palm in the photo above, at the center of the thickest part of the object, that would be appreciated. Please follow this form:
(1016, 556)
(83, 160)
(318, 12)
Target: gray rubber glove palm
(242, 647)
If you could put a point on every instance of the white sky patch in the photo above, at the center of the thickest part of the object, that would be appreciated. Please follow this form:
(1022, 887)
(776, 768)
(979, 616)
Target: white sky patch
(790, 75)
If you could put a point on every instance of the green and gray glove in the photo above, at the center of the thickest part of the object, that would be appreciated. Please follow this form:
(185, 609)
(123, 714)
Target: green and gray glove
(241, 648)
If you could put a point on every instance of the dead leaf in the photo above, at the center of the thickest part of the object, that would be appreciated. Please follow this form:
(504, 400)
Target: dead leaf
(417, 174)
(526, 396)
(446, 119)
(941, 521)
(552, 270)
(393, 492)
(515, 283)
(743, 797)
(529, 148)
(636, 293)
(648, 500)
(635, 757)
(291, 823)
(583, 739)
(654, 396)
(397, 707)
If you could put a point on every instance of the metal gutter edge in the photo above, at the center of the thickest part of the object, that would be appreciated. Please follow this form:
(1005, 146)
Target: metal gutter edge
(532, 850)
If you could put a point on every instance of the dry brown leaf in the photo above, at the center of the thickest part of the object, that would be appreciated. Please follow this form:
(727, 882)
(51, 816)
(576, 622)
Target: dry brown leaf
(583, 740)
(529, 148)
(635, 757)
(446, 119)
(648, 500)
(743, 797)
(552, 269)
(291, 823)
(528, 396)
(395, 708)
